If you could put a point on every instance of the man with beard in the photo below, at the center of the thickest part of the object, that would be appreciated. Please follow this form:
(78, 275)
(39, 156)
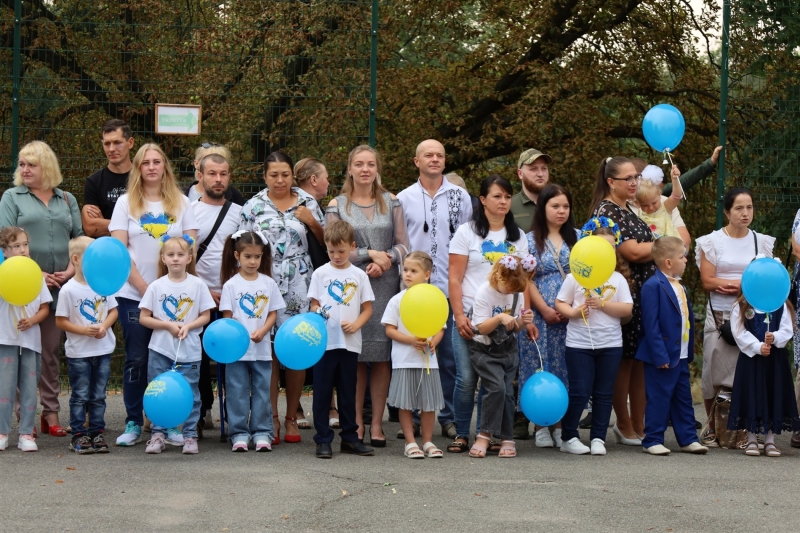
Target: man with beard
(532, 169)
(218, 218)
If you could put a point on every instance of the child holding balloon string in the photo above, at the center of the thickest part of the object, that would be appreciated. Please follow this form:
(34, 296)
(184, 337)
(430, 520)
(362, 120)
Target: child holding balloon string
(87, 318)
(251, 297)
(593, 345)
(657, 213)
(497, 315)
(20, 346)
(763, 398)
(415, 381)
(176, 306)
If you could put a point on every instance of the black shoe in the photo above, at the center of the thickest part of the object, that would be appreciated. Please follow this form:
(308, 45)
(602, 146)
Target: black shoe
(81, 444)
(354, 448)
(586, 421)
(378, 443)
(394, 414)
(521, 427)
(324, 450)
(697, 424)
(99, 443)
(795, 442)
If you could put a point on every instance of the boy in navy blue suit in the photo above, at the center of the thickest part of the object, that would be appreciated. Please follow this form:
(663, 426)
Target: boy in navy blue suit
(667, 348)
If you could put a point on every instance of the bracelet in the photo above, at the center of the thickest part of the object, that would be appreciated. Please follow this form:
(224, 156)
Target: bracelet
(677, 197)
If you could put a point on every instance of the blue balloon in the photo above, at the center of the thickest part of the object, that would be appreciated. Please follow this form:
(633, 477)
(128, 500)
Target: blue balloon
(2, 258)
(226, 340)
(301, 341)
(106, 265)
(544, 399)
(663, 127)
(168, 399)
(765, 284)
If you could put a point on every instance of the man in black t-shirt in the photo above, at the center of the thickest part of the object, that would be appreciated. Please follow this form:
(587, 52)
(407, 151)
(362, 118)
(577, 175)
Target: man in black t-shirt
(105, 186)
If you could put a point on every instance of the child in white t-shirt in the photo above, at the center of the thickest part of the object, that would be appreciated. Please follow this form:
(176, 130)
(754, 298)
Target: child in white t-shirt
(593, 349)
(251, 297)
(498, 315)
(20, 350)
(342, 293)
(415, 373)
(87, 318)
(176, 306)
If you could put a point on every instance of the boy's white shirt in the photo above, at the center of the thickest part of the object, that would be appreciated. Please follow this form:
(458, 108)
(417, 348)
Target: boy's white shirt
(31, 338)
(341, 292)
(83, 307)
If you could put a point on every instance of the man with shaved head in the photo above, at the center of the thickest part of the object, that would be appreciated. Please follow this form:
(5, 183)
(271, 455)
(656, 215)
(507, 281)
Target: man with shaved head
(434, 208)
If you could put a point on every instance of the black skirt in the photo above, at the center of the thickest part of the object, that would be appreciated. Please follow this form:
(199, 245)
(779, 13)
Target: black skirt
(763, 394)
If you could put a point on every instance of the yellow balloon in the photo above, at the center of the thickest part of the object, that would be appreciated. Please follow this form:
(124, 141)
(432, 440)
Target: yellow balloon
(20, 280)
(592, 261)
(423, 310)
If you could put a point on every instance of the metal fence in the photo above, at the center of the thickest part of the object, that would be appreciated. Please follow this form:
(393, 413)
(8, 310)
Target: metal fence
(762, 115)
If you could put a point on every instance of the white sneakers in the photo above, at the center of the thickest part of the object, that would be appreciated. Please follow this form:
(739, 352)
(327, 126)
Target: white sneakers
(543, 438)
(695, 448)
(27, 444)
(557, 438)
(3, 442)
(598, 447)
(174, 437)
(574, 446)
(132, 435)
(657, 449)
(155, 444)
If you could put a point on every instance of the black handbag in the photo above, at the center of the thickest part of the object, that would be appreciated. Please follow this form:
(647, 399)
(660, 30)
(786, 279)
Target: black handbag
(316, 251)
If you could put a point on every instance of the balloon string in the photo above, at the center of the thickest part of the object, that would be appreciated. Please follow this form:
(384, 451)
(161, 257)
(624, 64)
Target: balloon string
(680, 185)
(177, 352)
(588, 327)
(541, 363)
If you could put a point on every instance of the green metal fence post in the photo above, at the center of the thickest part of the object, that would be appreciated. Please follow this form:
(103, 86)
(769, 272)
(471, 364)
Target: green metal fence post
(15, 84)
(723, 106)
(373, 74)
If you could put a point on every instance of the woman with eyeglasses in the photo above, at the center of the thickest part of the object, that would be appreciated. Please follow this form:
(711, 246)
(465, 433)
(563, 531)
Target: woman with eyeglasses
(614, 193)
(51, 217)
(722, 256)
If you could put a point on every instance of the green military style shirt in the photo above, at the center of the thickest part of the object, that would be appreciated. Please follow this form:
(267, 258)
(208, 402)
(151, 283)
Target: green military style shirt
(523, 209)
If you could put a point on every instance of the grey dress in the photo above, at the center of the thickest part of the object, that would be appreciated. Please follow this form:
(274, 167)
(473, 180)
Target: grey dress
(375, 231)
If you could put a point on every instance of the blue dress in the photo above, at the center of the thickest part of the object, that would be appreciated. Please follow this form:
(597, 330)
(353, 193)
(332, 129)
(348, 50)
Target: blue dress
(552, 337)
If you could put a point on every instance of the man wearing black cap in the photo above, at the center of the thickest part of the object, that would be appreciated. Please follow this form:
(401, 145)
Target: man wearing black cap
(532, 169)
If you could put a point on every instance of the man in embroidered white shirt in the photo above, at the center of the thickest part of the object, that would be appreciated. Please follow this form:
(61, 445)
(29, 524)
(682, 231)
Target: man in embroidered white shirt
(433, 209)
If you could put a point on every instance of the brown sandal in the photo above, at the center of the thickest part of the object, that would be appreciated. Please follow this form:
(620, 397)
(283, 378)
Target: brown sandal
(770, 450)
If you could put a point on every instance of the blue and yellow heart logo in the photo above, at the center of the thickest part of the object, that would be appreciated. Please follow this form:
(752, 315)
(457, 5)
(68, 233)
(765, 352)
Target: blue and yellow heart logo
(92, 309)
(494, 251)
(252, 306)
(177, 309)
(342, 292)
(156, 225)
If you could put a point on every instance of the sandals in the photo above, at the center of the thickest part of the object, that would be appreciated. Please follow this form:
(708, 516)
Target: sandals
(770, 450)
(508, 449)
(459, 445)
(752, 449)
(333, 422)
(478, 452)
(432, 451)
(412, 451)
(494, 447)
(303, 423)
(291, 439)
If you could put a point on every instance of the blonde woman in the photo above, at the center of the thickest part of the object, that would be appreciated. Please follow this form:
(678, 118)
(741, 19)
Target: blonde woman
(153, 207)
(51, 217)
(381, 244)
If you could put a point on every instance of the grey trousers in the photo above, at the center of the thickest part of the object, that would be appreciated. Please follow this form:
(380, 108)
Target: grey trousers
(496, 364)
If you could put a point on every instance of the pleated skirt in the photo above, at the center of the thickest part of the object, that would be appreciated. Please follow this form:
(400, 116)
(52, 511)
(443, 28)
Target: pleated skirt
(414, 388)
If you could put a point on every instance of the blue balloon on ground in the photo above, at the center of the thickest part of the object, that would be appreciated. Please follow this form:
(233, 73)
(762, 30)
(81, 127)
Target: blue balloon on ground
(663, 127)
(301, 341)
(765, 284)
(226, 340)
(106, 265)
(544, 399)
(168, 400)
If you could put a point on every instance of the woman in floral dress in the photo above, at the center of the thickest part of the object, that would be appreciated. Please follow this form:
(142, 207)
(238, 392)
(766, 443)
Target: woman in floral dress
(284, 214)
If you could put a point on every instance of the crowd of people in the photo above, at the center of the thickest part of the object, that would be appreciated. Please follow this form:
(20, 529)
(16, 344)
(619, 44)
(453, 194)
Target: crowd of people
(501, 259)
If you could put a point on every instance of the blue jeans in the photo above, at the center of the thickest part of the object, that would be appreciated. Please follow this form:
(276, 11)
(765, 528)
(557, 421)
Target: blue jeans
(247, 397)
(88, 377)
(19, 367)
(158, 364)
(466, 381)
(591, 373)
(134, 379)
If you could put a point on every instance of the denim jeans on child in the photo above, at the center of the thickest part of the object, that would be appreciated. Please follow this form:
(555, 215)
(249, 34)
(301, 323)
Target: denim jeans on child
(19, 367)
(134, 379)
(88, 377)
(591, 373)
(247, 386)
(497, 364)
(464, 390)
(158, 364)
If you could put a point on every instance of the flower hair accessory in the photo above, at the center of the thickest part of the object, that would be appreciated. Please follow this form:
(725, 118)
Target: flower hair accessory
(654, 174)
(186, 237)
(601, 222)
(528, 263)
(509, 261)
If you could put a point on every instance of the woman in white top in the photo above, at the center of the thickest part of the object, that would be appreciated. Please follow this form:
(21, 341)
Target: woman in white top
(475, 247)
(722, 257)
(153, 207)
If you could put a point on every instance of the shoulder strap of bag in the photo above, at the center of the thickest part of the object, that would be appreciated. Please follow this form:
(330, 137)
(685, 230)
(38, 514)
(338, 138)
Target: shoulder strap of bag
(217, 223)
(556, 258)
(755, 243)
